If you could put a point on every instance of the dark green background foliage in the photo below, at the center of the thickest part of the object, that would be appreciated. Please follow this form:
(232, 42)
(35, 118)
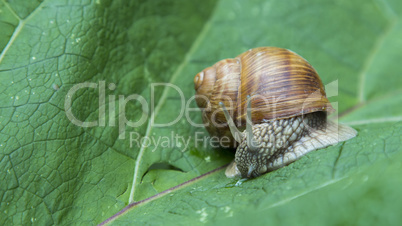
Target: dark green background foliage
(54, 172)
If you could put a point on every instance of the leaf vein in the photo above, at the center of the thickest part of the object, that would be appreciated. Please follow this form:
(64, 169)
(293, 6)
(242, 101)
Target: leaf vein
(370, 58)
(186, 59)
(17, 31)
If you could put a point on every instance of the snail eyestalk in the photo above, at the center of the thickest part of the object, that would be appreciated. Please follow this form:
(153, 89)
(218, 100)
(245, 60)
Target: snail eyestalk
(233, 129)
(251, 142)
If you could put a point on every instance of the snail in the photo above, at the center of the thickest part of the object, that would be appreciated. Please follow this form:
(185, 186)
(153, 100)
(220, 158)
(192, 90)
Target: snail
(271, 105)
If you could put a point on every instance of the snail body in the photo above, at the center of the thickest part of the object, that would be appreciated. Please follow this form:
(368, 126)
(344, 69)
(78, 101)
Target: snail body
(277, 99)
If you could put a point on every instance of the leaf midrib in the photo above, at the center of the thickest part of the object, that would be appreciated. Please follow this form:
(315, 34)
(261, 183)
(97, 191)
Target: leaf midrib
(178, 71)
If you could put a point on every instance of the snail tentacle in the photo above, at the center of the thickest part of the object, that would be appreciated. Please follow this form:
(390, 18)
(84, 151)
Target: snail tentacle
(252, 143)
(237, 135)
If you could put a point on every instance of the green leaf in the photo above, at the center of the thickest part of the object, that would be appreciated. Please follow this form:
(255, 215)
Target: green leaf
(54, 171)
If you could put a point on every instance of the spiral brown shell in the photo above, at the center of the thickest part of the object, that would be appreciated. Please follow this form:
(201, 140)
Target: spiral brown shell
(281, 84)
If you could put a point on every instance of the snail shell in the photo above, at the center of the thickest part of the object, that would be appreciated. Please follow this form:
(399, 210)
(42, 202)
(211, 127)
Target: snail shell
(288, 115)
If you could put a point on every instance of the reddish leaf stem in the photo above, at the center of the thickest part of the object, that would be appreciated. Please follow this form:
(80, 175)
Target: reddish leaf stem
(134, 204)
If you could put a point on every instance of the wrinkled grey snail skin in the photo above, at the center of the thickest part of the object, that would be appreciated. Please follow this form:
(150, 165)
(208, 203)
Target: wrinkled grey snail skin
(274, 140)
(277, 143)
